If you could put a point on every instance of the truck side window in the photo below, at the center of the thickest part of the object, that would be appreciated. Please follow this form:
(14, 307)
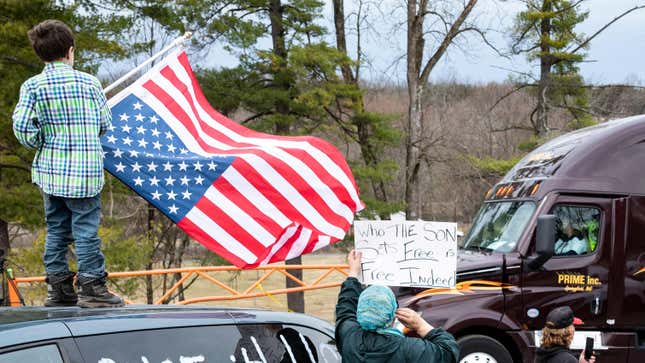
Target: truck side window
(577, 230)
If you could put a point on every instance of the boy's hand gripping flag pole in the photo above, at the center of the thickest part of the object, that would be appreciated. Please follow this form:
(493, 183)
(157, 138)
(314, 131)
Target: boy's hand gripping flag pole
(250, 197)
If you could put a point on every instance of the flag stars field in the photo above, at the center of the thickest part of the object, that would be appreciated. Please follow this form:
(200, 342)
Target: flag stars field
(154, 181)
(153, 166)
(156, 195)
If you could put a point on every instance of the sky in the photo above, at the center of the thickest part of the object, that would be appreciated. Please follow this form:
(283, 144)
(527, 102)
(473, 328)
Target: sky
(615, 56)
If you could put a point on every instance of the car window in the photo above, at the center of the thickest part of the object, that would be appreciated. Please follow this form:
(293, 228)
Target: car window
(577, 230)
(326, 351)
(252, 343)
(42, 354)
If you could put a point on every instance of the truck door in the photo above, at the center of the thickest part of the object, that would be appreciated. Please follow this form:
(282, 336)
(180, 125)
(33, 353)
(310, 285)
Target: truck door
(578, 273)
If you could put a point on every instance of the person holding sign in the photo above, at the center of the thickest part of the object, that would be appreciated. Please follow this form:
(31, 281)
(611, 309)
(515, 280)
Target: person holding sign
(364, 326)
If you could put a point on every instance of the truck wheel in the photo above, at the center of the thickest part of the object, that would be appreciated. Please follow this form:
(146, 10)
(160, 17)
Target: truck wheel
(482, 349)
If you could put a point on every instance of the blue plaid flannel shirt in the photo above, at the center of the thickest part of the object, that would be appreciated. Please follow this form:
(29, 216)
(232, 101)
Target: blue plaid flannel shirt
(62, 113)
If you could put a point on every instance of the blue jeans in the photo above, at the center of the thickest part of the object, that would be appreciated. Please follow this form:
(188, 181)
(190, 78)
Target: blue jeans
(73, 220)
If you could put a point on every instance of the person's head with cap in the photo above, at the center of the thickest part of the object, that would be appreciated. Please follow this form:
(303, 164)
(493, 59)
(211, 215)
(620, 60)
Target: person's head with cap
(376, 308)
(559, 327)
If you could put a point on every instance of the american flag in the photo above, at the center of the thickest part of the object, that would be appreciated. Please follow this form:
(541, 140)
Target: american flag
(250, 197)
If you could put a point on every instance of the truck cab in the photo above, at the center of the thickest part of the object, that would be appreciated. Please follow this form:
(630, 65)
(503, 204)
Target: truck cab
(565, 226)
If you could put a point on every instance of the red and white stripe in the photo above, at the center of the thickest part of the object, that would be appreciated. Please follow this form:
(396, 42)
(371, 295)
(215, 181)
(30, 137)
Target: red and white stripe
(282, 196)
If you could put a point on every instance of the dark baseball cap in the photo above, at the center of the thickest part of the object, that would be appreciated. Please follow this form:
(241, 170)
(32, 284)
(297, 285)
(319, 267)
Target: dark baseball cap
(561, 317)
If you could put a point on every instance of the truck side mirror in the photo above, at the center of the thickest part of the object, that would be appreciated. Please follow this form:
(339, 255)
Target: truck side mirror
(544, 241)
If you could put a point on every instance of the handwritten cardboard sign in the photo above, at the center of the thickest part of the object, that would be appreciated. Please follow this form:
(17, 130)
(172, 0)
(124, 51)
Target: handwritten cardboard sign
(407, 253)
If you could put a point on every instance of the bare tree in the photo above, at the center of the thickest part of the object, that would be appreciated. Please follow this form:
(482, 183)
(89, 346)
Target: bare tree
(418, 72)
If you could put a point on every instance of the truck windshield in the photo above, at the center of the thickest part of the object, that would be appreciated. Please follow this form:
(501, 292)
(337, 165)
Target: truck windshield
(498, 226)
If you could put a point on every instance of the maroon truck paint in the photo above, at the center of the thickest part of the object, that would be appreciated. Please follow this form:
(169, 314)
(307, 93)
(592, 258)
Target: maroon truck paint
(601, 166)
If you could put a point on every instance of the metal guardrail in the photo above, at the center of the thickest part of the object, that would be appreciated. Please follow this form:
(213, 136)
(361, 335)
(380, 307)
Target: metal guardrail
(203, 272)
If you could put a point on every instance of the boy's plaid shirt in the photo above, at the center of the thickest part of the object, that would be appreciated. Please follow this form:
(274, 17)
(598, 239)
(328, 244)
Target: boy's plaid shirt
(61, 113)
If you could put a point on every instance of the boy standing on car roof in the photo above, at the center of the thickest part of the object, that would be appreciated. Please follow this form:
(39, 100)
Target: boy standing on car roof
(61, 113)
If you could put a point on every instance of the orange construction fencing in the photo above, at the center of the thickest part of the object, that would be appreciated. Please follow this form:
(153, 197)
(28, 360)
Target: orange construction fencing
(231, 293)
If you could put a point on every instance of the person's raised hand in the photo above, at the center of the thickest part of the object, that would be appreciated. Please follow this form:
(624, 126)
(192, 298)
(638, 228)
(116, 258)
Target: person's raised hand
(354, 261)
(413, 321)
(582, 359)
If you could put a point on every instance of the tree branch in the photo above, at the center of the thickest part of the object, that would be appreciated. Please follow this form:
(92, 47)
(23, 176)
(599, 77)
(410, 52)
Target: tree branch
(17, 60)
(508, 94)
(13, 166)
(454, 29)
(513, 127)
(486, 41)
(603, 86)
(256, 116)
(583, 44)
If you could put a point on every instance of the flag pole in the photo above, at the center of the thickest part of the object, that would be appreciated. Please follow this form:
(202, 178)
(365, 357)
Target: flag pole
(176, 42)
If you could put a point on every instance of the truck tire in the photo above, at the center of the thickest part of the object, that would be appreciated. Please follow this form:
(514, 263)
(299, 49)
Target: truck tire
(482, 349)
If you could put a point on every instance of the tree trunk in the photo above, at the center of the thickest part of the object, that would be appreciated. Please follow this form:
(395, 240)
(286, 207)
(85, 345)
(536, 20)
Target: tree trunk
(295, 300)
(5, 244)
(413, 204)
(363, 129)
(341, 42)
(417, 77)
(282, 81)
(415, 116)
(149, 266)
(546, 62)
(179, 261)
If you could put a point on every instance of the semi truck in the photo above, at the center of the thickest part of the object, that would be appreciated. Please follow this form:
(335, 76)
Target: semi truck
(565, 226)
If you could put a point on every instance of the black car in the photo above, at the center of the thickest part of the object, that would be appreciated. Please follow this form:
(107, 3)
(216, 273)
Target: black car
(162, 334)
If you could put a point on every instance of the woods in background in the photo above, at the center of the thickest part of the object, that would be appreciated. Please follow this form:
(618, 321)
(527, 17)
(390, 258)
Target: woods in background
(431, 149)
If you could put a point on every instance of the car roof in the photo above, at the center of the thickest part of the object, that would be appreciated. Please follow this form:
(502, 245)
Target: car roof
(21, 325)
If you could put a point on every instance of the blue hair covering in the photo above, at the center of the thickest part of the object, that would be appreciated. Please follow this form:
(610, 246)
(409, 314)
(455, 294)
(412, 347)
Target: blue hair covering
(375, 310)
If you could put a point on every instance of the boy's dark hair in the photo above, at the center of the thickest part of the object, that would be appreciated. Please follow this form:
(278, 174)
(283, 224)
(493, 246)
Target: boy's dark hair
(51, 39)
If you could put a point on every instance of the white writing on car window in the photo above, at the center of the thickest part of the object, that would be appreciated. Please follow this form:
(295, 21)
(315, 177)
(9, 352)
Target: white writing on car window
(255, 350)
(182, 359)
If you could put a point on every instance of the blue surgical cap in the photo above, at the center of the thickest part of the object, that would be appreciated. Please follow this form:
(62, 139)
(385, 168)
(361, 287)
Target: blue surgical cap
(376, 307)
